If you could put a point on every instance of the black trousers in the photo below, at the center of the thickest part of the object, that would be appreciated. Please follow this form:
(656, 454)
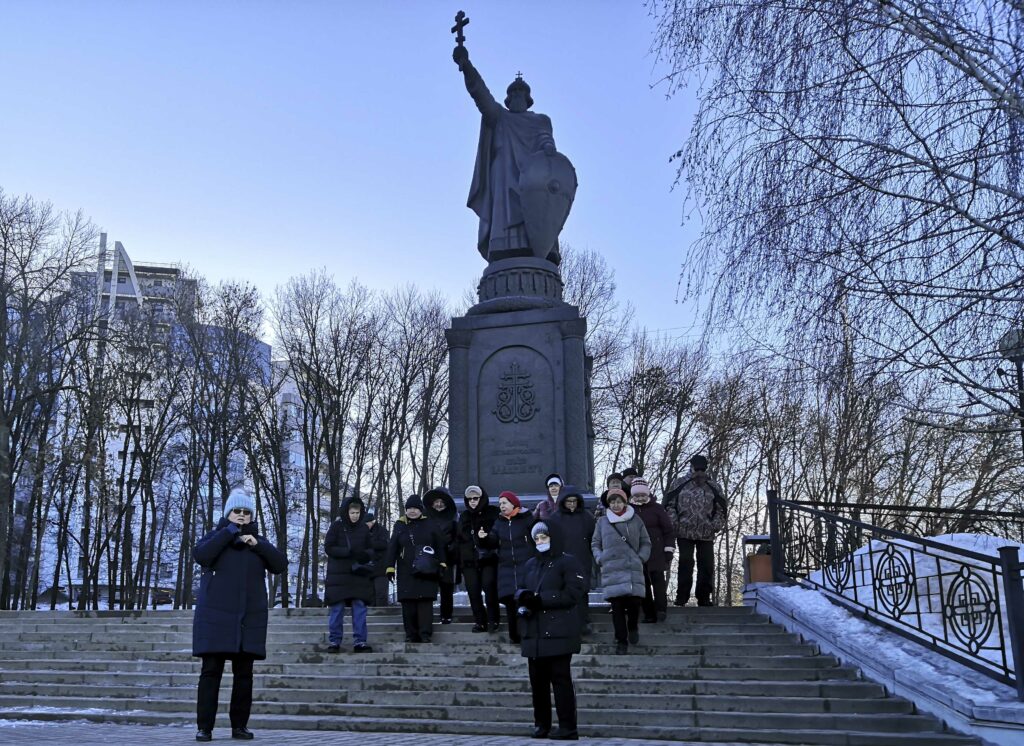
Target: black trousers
(625, 615)
(509, 602)
(705, 552)
(380, 591)
(547, 674)
(656, 593)
(447, 600)
(209, 690)
(482, 588)
(418, 619)
(583, 608)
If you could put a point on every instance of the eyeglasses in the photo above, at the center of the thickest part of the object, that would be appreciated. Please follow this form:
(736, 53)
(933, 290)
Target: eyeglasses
(241, 511)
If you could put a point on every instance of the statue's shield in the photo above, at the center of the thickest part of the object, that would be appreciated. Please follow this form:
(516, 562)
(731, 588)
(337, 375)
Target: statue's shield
(547, 187)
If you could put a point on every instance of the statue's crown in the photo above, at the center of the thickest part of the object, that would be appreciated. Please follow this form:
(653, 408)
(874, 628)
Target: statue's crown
(519, 85)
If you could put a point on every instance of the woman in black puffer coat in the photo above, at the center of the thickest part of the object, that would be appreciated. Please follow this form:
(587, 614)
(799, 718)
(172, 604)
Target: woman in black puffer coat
(416, 593)
(349, 581)
(510, 535)
(548, 596)
(479, 565)
(230, 620)
(577, 526)
(439, 507)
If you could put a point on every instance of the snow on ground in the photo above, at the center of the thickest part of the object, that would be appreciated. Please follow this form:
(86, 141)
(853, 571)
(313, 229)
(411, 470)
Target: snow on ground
(890, 650)
(935, 574)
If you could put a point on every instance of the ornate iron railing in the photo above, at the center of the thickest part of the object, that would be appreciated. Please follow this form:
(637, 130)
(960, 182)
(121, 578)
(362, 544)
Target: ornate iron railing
(966, 605)
(928, 521)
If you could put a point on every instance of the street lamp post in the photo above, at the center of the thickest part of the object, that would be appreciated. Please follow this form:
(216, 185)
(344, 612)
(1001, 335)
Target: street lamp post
(1011, 347)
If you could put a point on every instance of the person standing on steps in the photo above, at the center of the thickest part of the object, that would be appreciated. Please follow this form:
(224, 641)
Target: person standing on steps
(479, 564)
(698, 509)
(621, 547)
(663, 545)
(577, 528)
(415, 555)
(547, 507)
(547, 598)
(351, 563)
(439, 507)
(379, 541)
(231, 612)
(510, 535)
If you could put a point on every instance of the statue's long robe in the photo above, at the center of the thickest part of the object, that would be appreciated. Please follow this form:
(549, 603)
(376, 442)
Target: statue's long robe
(506, 138)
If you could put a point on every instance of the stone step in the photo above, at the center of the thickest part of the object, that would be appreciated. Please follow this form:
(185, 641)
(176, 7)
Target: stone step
(127, 634)
(775, 670)
(290, 651)
(284, 626)
(516, 712)
(457, 697)
(673, 732)
(827, 689)
(507, 659)
(394, 610)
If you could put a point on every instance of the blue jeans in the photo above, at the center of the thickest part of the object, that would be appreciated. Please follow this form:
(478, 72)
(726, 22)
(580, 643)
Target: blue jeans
(336, 622)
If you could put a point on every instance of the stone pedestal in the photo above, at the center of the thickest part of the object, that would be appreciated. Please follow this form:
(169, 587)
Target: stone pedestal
(519, 385)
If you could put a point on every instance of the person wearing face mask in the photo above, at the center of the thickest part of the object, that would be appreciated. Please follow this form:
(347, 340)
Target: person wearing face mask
(547, 507)
(439, 507)
(231, 611)
(663, 544)
(349, 581)
(479, 564)
(548, 594)
(510, 535)
(621, 547)
(412, 534)
(577, 528)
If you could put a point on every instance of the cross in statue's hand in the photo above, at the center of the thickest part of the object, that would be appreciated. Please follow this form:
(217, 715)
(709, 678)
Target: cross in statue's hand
(460, 23)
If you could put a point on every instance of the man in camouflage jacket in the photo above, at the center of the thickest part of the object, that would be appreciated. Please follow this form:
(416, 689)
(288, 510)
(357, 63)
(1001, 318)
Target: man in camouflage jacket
(698, 509)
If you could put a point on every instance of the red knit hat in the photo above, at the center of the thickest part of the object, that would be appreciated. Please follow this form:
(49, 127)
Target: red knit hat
(512, 497)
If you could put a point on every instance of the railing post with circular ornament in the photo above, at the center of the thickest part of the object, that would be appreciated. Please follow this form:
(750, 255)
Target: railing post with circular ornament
(1013, 588)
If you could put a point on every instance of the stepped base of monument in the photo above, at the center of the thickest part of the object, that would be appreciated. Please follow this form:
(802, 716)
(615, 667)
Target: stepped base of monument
(705, 675)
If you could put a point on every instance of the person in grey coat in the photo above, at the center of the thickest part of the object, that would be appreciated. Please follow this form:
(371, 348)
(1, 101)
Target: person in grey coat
(621, 546)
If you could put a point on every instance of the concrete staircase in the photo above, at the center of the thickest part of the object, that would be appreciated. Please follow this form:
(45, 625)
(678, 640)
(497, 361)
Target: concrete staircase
(710, 674)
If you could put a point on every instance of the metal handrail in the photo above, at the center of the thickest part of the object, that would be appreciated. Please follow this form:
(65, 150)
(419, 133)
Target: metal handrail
(942, 596)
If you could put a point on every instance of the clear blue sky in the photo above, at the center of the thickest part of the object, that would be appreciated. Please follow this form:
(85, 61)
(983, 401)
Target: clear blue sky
(260, 140)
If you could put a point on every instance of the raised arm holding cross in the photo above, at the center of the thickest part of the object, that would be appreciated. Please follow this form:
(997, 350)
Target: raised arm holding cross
(461, 21)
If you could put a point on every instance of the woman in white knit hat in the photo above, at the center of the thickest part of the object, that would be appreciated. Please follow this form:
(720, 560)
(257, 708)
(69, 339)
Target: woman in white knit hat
(231, 613)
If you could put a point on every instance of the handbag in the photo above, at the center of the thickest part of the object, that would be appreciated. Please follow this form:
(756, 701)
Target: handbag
(425, 563)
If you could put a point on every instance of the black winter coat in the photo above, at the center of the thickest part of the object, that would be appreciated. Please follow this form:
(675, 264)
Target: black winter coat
(379, 543)
(447, 526)
(662, 533)
(577, 530)
(346, 544)
(467, 539)
(515, 547)
(406, 539)
(231, 608)
(557, 579)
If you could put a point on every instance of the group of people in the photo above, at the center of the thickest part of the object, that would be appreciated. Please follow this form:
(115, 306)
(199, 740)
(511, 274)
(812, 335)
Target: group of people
(539, 565)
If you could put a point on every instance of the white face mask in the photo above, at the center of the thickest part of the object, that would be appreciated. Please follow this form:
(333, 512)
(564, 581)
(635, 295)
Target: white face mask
(543, 547)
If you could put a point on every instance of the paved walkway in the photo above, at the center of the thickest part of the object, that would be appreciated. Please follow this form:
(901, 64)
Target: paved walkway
(94, 734)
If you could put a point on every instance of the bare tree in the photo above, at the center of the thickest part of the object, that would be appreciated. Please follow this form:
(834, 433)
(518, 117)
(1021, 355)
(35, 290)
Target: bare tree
(39, 251)
(861, 156)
